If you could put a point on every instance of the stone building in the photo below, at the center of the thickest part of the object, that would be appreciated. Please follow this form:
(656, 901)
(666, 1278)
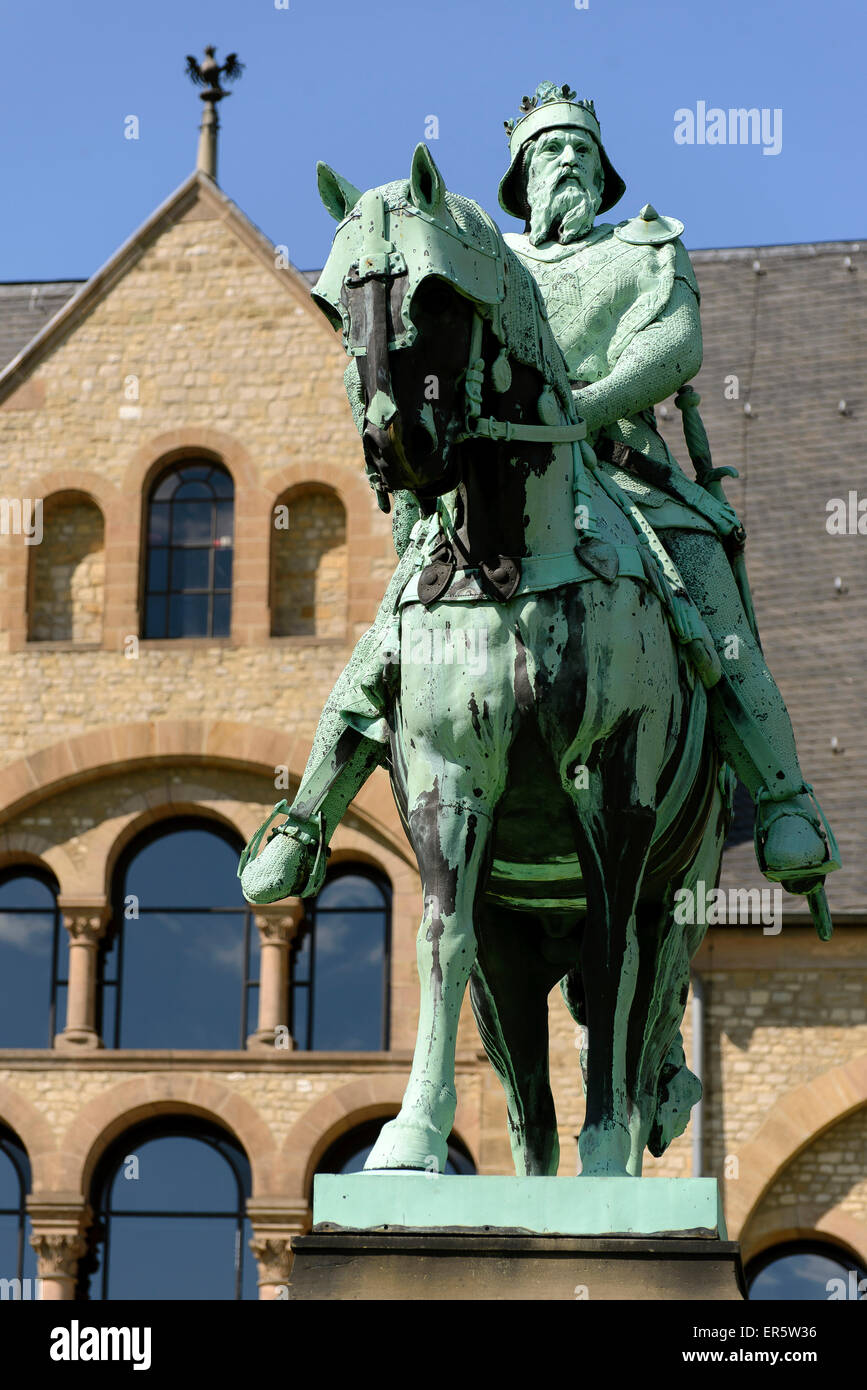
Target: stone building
(174, 1066)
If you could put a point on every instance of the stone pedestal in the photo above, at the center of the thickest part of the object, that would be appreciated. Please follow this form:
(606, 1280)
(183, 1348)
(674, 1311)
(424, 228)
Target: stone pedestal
(411, 1236)
(344, 1265)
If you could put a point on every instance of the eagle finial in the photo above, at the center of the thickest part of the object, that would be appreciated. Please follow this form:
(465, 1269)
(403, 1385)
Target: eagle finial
(208, 73)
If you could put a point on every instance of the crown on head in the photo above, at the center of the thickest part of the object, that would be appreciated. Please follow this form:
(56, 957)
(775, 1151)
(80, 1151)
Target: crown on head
(545, 92)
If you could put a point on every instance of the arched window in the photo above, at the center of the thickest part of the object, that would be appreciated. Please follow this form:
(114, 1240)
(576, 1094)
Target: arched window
(180, 962)
(341, 967)
(309, 566)
(349, 1153)
(801, 1270)
(188, 579)
(34, 958)
(169, 1200)
(17, 1256)
(67, 576)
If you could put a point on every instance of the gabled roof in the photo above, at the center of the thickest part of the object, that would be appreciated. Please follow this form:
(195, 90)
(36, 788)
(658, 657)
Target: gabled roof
(71, 308)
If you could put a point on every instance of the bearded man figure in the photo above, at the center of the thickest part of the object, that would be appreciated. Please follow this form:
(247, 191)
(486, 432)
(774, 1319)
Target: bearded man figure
(623, 303)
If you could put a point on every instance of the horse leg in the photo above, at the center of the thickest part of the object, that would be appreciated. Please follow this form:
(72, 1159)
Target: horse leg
(453, 728)
(671, 1088)
(509, 992)
(451, 844)
(610, 676)
(614, 847)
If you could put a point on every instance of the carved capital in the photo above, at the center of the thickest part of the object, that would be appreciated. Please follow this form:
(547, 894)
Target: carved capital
(85, 922)
(274, 1257)
(279, 924)
(58, 1253)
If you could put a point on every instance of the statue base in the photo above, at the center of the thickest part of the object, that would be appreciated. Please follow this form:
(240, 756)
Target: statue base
(408, 1236)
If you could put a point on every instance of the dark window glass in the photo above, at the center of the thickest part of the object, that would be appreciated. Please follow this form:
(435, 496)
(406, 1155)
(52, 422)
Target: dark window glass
(803, 1271)
(180, 963)
(340, 969)
(189, 562)
(34, 960)
(349, 1153)
(169, 1201)
(17, 1256)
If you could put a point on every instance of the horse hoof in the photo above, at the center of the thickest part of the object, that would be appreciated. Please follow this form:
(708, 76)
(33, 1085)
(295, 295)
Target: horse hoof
(280, 871)
(418, 1146)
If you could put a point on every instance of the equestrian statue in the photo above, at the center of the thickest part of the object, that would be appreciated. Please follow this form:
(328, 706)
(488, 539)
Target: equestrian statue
(565, 676)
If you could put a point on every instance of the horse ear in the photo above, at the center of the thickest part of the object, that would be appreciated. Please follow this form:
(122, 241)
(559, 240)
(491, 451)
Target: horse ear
(336, 192)
(427, 187)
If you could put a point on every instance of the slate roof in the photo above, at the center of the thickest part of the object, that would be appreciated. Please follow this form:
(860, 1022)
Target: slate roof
(25, 308)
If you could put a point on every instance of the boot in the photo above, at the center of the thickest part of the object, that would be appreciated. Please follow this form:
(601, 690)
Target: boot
(794, 843)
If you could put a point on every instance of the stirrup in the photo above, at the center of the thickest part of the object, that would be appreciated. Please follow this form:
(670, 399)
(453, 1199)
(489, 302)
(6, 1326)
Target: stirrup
(809, 878)
(306, 832)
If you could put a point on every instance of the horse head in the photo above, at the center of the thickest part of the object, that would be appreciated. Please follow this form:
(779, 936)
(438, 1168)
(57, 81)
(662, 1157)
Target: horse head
(400, 282)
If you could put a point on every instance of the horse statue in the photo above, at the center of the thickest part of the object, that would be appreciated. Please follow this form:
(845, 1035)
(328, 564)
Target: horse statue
(539, 698)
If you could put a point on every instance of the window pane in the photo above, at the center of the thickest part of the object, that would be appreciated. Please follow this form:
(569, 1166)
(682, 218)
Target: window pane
(221, 483)
(23, 890)
(26, 940)
(158, 569)
(225, 521)
(348, 989)
(223, 568)
(191, 569)
(188, 615)
(158, 530)
(351, 890)
(174, 1174)
(801, 1276)
(156, 624)
(222, 615)
(187, 867)
(183, 971)
(182, 981)
(157, 1258)
(190, 488)
(167, 486)
(191, 521)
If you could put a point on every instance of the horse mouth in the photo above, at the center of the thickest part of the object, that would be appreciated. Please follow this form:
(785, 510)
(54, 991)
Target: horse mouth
(414, 468)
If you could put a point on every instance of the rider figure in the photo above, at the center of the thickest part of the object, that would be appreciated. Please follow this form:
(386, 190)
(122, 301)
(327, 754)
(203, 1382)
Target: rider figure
(623, 305)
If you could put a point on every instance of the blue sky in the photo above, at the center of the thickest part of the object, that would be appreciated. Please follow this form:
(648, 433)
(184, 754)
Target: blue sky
(354, 83)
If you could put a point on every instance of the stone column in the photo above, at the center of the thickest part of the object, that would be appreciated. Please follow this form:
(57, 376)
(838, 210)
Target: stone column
(86, 923)
(58, 1238)
(277, 926)
(275, 1222)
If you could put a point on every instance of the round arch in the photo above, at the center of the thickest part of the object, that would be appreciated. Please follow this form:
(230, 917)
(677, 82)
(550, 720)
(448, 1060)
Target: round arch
(32, 1129)
(790, 1126)
(128, 1103)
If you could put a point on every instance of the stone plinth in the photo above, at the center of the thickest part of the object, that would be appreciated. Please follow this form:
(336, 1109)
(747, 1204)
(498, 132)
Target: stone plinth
(409, 1236)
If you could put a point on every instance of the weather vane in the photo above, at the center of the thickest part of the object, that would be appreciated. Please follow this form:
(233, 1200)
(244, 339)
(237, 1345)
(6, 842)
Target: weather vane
(207, 75)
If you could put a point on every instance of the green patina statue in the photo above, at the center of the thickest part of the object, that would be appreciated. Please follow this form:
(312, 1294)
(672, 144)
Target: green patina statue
(565, 668)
